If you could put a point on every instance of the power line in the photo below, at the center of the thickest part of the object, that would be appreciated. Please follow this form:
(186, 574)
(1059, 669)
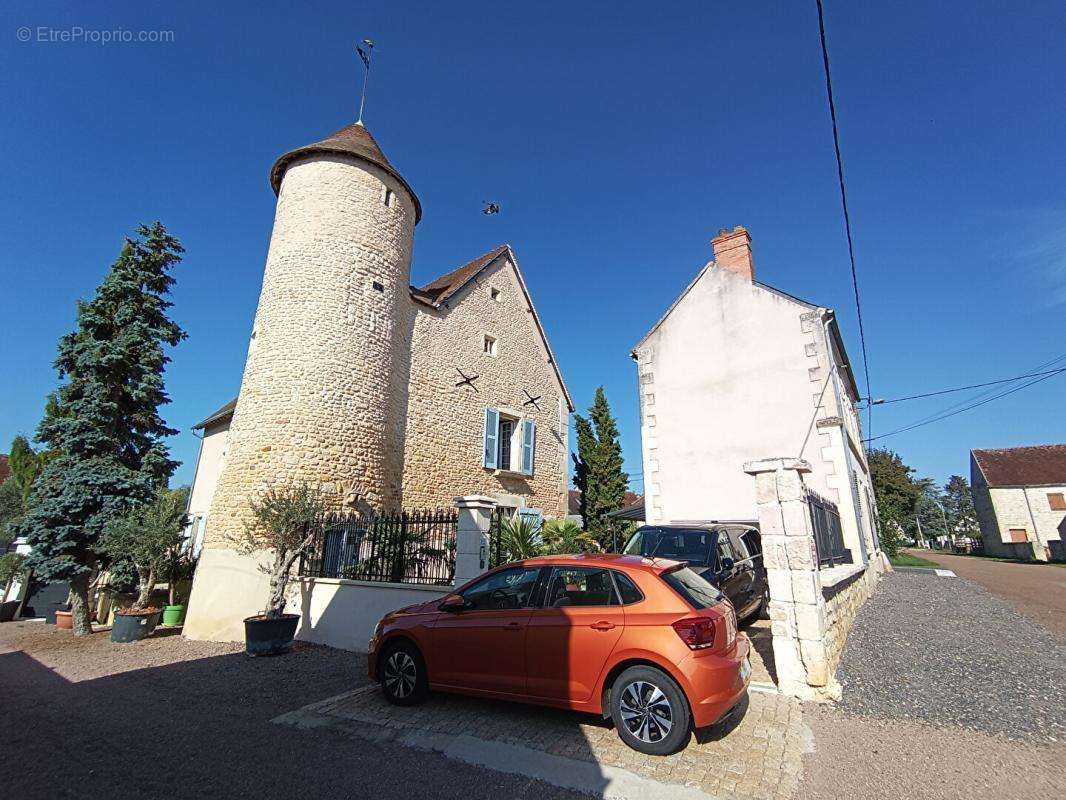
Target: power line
(971, 386)
(847, 216)
(966, 408)
(937, 414)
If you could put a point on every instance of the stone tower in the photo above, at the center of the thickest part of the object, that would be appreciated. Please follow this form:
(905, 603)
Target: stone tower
(323, 396)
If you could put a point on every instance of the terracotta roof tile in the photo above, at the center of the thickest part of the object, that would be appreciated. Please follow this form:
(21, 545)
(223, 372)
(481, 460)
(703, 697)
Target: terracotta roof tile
(1042, 465)
(447, 285)
(353, 140)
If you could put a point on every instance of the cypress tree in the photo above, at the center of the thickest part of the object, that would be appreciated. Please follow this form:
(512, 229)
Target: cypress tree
(103, 423)
(598, 469)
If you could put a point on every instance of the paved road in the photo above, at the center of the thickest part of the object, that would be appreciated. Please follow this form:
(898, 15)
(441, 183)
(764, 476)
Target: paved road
(1036, 590)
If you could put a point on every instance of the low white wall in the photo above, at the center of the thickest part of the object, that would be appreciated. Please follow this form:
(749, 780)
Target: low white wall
(230, 586)
(343, 613)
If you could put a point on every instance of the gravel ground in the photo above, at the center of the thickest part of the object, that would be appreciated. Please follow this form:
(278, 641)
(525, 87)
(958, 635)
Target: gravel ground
(1037, 591)
(166, 718)
(944, 651)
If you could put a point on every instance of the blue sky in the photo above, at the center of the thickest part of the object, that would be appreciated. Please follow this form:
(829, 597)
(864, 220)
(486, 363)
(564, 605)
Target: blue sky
(618, 138)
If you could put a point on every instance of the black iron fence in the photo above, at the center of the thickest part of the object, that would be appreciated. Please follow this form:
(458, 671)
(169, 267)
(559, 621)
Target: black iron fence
(498, 553)
(828, 536)
(409, 547)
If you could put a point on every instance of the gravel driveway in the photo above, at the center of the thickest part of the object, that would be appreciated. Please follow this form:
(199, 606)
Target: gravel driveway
(949, 694)
(168, 718)
(1037, 591)
(945, 651)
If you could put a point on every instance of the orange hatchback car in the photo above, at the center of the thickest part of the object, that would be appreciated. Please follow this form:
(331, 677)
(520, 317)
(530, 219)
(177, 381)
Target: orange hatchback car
(646, 642)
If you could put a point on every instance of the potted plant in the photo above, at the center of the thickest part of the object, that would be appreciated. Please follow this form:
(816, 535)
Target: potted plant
(284, 522)
(146, 537)
(179, 572)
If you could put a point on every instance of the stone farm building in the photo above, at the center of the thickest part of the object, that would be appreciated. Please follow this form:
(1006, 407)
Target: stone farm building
(384, 395)
(1019, 495)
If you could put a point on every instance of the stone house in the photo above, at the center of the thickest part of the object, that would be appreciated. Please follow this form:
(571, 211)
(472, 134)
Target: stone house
(737, 371)
(384, 395)
(1019, 494)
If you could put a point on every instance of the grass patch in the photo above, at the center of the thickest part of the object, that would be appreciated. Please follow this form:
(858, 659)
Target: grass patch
(908, 560)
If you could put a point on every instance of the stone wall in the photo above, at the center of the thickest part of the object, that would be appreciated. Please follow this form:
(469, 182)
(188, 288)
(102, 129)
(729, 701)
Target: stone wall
(443, 454)
(811, 610)
(842, 603)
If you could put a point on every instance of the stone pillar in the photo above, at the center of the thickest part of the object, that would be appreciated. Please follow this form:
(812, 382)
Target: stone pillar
(472, 536)
(797, 607)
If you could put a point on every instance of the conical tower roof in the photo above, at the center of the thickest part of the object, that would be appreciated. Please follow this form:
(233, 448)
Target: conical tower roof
(352, 140)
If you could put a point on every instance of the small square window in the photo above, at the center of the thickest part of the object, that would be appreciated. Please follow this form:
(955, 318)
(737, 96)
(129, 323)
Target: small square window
(490, 345)
(494, 293)
(1057, 501)
(378, 286)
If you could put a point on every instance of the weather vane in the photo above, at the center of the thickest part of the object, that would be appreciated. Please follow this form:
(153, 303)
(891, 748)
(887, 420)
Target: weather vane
(365, 55)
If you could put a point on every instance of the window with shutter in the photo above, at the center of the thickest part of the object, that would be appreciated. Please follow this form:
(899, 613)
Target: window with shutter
(492, 435)
(529, 443)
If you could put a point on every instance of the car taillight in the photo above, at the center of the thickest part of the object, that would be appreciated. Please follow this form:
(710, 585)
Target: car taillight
(697, 632)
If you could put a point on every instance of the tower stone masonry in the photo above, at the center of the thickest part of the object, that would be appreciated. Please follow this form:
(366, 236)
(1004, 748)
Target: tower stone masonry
(324, 393)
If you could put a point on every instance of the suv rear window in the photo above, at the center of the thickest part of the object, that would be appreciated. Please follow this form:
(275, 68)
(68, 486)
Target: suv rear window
(694, 545)
(696, 591)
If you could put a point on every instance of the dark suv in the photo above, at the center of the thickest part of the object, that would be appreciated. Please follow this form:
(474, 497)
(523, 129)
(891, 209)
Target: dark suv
(727, 555)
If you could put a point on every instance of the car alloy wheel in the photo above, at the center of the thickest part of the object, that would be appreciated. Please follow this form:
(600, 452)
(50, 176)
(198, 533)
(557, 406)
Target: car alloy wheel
(650, 712)
(400, 675)
(646, 711)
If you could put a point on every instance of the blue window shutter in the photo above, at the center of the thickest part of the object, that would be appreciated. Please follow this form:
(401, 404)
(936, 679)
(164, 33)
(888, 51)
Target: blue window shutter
(492, 427)
(529, 443)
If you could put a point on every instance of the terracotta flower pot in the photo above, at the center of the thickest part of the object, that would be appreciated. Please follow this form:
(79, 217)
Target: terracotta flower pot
(65, 619)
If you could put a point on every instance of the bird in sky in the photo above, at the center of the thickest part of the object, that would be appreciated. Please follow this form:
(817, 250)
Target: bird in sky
(490, 208)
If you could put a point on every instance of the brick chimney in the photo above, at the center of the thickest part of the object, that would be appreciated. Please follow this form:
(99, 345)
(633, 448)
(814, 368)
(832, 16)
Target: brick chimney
(732, 251)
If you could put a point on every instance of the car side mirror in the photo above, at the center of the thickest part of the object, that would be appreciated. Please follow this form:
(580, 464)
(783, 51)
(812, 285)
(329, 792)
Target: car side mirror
(727, 564)
(453, 604)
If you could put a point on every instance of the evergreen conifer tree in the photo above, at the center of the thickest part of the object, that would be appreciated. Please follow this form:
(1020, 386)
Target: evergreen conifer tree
(598, 469)
(103, 422)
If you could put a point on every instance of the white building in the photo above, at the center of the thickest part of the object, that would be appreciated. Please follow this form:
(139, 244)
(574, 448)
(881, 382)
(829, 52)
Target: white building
(214, 438)
(1019, 494)
(737, 371)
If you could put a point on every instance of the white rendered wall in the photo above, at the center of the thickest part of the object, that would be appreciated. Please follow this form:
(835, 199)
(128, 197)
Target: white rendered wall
(342, 613)
(208, 468)
(729, 384)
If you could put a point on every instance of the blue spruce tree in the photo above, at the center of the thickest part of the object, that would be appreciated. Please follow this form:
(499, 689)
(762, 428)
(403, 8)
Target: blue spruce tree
(103, 424)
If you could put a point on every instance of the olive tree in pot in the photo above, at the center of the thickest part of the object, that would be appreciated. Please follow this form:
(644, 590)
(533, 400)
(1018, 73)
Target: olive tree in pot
(284, 522)
(146, 537)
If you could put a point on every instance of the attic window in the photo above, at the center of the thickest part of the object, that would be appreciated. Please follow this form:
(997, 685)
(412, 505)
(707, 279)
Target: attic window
(489, 345)
(387, 197)
(494, 293)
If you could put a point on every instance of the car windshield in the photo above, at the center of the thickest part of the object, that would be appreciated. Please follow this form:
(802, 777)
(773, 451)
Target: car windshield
(696, 590)
(694, 545)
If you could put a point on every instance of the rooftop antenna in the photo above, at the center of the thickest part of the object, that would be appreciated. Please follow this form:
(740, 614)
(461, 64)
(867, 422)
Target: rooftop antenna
(364, 54)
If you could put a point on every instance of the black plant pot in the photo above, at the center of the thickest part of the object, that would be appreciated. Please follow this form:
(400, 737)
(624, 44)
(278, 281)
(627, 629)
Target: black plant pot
(269, 636)
(8, 609)
(133, 627)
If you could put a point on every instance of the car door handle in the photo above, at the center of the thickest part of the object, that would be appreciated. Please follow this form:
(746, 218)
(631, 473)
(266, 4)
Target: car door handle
(514, 627)
(602, 625)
